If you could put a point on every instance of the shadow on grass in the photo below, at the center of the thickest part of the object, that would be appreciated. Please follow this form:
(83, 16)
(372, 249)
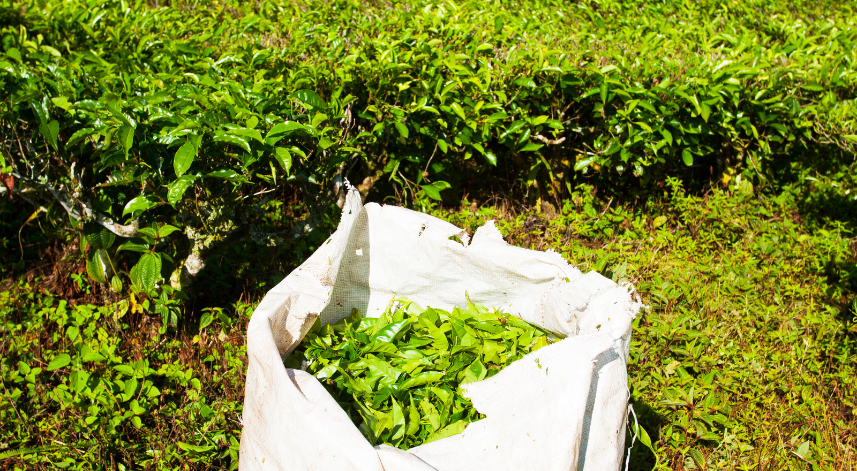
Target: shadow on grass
(827, 201)
(824, 205)
(33, 240)
(642, 459)
(244, 271)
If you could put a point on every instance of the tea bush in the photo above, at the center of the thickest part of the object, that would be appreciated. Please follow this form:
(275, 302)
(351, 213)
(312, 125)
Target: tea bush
(168, 126)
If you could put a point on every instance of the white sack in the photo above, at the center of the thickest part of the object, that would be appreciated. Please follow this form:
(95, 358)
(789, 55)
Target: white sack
(566, 411)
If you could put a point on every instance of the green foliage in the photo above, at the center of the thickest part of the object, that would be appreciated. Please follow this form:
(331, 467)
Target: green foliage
(87, 389)
(398, 376)
(171, 126)
(745, 357)
(189, 115)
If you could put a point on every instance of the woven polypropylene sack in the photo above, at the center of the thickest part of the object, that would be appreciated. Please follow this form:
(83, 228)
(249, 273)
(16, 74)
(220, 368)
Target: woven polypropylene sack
(562, 407)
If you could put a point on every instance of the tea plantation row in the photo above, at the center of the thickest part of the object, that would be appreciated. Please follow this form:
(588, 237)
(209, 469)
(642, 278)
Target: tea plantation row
(168, 125)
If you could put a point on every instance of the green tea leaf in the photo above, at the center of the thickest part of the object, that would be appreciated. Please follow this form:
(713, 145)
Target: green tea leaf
(234, 140)
(281, 130)
(80, 135)
(514, 127)
(318, 119)
(140, 204)
(458, 110)
(398, 424)
(13, 53)
(326, 142)
(397, 376)
(491, 158)
(403, 130)
(228, 174)
(525, 82)
(310, 98)
(448, 431)
(475, 372)
(61, 102)
(391, 332)
(183, 159)
(687, 157)
(51, 130)
(583, 163)
(531, 147)
(176, 189)
(442, 145)
(413, 419)
(422, 379)
(247, 132)
(284, 158)
(126, 138)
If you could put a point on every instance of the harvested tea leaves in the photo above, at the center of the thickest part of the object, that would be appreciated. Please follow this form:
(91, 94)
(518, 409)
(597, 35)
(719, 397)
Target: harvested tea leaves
(398, 376)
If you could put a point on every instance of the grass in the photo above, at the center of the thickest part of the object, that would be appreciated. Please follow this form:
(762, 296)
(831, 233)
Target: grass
(744, 358)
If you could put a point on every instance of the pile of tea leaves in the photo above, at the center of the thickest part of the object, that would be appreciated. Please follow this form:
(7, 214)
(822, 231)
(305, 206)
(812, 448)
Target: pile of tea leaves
(398, 376)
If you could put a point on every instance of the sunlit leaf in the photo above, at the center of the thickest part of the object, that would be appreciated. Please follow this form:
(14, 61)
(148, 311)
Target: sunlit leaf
(139, 204)
(403, 130)
(183, 159)
(134, 245)
(281, 130)
(60, 361)
(148, 271)
(126, 138)
(234, 140)
(431, 191)
(247, 132)
(687, 157)
(227, 174)
(310, 97)
(525, 82)
(178, 187)
(284, 158)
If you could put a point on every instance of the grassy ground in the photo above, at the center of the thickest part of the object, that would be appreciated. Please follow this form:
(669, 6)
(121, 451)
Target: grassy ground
(743, 360)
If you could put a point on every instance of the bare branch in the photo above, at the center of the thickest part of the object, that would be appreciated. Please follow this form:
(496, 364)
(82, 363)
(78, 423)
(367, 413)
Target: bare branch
(549, 141)
(86, 212)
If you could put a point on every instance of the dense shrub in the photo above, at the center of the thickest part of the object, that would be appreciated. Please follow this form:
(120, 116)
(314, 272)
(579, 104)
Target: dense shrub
(149, 121)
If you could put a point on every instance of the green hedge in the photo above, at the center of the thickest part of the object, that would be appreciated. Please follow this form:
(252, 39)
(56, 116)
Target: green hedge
(145, 119)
